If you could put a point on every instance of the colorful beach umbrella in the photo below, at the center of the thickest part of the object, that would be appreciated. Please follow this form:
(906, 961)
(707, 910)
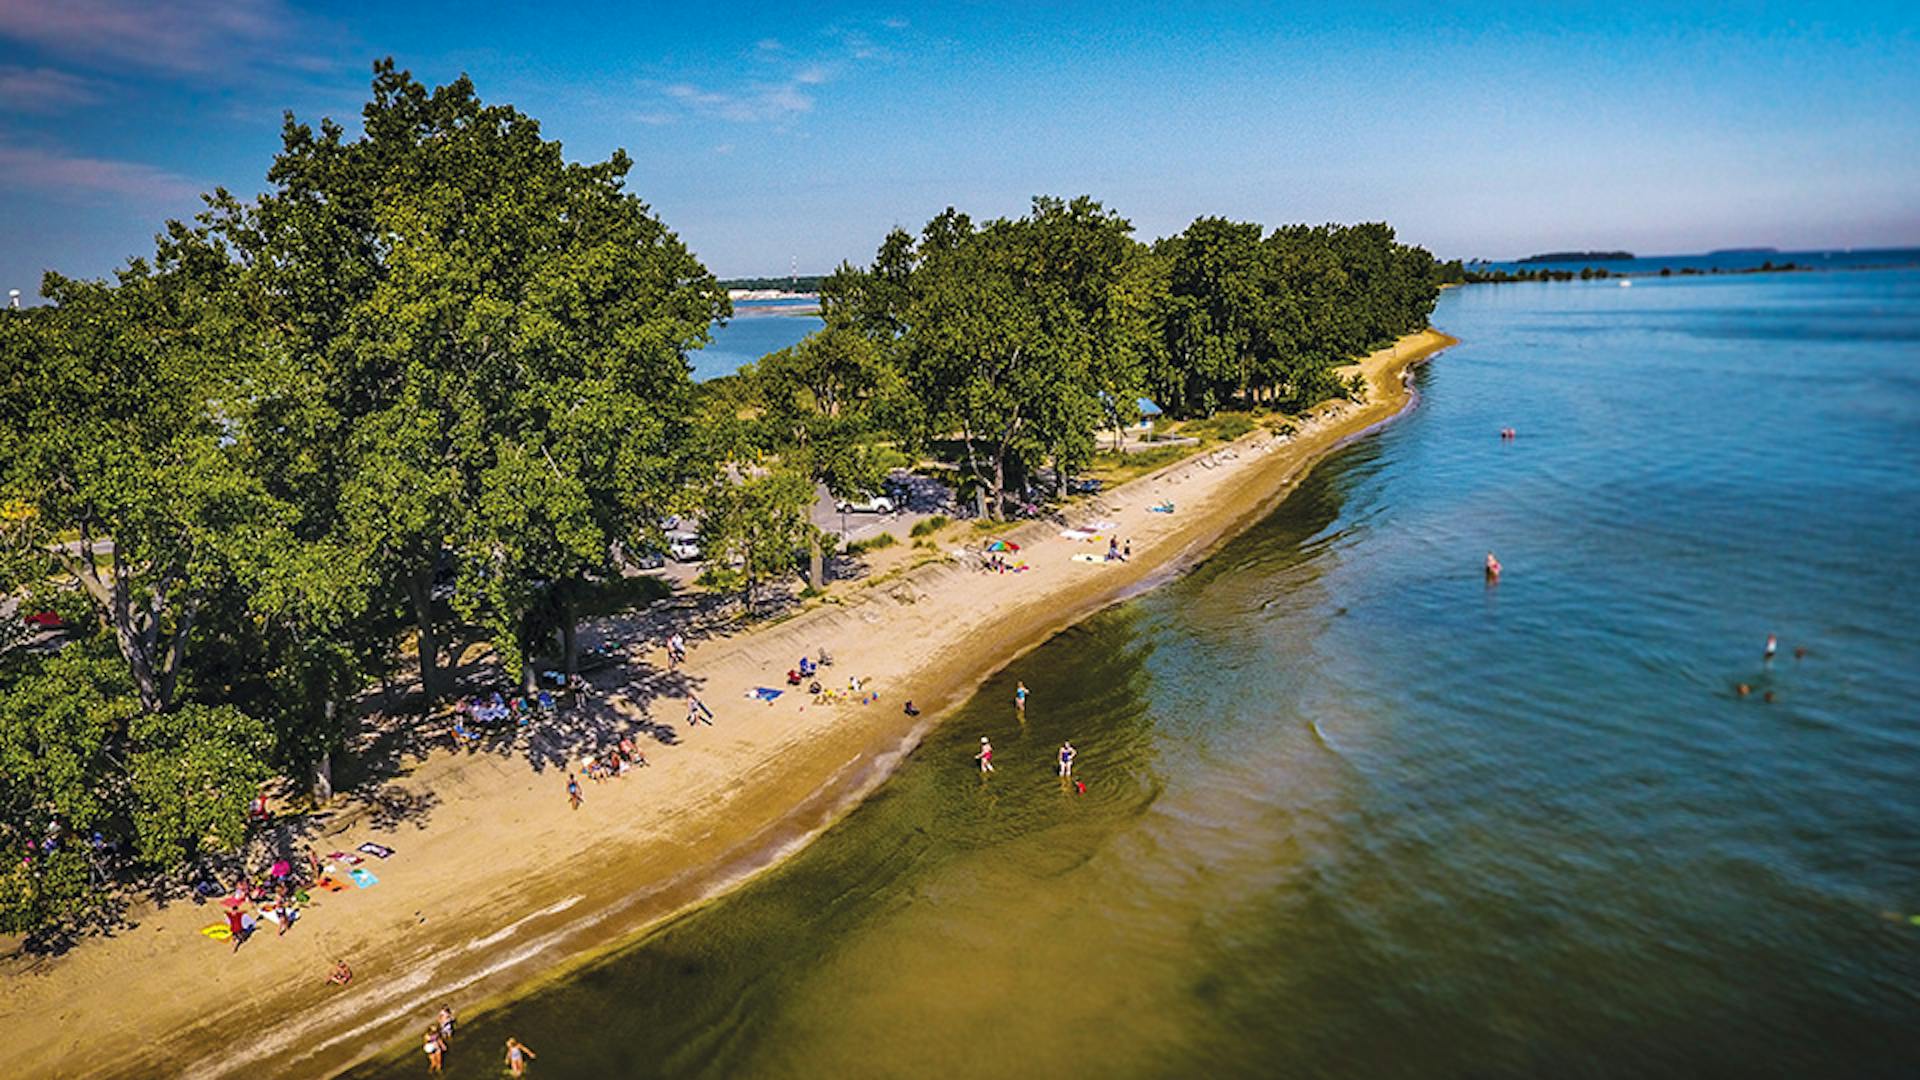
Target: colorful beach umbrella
(1003, 545)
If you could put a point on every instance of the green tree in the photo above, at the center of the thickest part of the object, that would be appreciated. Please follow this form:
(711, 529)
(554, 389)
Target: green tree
(480, 338)
(116, 453)
(754, 527)
(823, 408)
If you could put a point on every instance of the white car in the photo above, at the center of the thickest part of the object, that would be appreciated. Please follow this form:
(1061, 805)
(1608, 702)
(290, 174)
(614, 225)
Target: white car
(878, 504)
(684, 546)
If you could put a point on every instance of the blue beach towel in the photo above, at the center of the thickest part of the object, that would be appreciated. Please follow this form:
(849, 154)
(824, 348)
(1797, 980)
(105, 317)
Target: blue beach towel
(363, 878)
(766, 693)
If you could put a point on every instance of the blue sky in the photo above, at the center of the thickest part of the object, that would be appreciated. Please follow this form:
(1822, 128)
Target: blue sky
(769, 133)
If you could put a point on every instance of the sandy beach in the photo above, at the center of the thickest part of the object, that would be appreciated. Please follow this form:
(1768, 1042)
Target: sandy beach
(496, 884)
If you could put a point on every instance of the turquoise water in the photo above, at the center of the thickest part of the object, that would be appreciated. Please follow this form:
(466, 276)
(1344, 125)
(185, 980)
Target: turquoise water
(1353, 813)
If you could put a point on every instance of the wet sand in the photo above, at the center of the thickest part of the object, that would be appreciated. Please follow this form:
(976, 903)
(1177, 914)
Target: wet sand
(496, 884)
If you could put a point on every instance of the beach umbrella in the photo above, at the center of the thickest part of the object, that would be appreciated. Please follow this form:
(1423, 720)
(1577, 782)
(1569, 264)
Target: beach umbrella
(1003, 545)
(233, 902)
(280, 869)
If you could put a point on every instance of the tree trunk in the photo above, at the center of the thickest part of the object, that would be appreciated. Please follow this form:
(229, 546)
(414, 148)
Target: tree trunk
(569, 634)
(323, 779)
(816, 562)
(1000, 484)
(420, 591)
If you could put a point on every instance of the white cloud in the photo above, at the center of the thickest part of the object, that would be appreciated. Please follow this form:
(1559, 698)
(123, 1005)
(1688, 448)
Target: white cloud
(757, 104)
(42, 90)
(76, 178)
(184, 37)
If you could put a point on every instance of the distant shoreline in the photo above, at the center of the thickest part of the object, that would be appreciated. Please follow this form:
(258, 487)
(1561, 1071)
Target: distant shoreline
(738, 295)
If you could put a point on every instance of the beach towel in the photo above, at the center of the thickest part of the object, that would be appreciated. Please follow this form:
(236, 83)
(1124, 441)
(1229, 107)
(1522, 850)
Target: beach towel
(1103, 525)
(218, 932)
(1079, 534)
(764, 693)
(363, 878)
(341, 856)
(331, 885)
(1163, 508)
(375, 850)
(1089, 558)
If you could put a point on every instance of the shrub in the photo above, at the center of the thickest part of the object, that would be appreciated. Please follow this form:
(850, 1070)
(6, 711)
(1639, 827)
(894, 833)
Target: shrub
(929, 526)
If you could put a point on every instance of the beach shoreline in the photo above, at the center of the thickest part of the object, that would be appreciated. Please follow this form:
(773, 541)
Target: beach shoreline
(498, 888)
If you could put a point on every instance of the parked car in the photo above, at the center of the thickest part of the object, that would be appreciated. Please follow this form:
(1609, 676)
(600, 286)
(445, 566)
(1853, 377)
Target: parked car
(646, 558)
(876, 504)
(684, 546)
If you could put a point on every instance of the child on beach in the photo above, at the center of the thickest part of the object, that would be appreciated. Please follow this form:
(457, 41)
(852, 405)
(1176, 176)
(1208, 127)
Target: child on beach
(434, 1050)
(573, 791)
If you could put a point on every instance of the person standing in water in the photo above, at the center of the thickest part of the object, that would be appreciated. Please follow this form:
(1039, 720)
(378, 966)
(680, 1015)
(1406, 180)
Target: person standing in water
(517, 1055)
(985, 756)
(1493, 567)
(1773, 646)
(1066, 759)
(434, 1049)
(1020, 699)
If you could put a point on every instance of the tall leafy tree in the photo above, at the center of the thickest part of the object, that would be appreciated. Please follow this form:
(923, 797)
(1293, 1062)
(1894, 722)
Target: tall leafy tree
(823, 407)
(481, 339)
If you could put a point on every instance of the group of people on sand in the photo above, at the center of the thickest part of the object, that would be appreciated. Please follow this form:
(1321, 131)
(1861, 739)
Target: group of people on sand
(1063, 761)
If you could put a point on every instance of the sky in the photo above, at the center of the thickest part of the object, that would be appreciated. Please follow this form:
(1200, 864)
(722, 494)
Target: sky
(776, 136)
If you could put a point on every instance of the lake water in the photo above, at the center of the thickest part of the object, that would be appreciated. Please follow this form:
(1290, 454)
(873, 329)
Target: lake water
(1353, 813)
(757, 328)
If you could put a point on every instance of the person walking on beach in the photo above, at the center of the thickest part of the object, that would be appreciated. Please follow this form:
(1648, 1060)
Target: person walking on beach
(517, 1055)
(236, 926)
(676, 650)
(434, 1050)
(985, 756)
(1066, 759)
(573, 791)
(1020, 699)
(698, 711)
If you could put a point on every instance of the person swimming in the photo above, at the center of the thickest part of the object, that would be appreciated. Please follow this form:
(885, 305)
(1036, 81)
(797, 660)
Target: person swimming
(1773, 646)
(1493, 567)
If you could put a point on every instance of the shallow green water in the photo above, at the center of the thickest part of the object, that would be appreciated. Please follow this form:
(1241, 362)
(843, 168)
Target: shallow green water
(1351, 813)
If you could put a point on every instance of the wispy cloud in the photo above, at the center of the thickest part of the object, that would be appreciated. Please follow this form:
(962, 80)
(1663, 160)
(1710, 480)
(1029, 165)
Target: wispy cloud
(76, 178)
(789, 81)
(181, 37)
(757, 104)
(44, 90)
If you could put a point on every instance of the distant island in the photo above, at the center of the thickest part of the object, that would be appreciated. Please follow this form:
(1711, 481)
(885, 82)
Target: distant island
(1579, 256)
(791, 283)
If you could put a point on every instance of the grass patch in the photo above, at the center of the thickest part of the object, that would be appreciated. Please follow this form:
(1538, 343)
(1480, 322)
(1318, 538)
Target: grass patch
(1111, 468)
(1220, 427)
(929, 526)
(872, 543)
(988, 525)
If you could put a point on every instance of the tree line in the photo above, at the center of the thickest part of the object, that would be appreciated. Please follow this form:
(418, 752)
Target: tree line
(431, 387)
